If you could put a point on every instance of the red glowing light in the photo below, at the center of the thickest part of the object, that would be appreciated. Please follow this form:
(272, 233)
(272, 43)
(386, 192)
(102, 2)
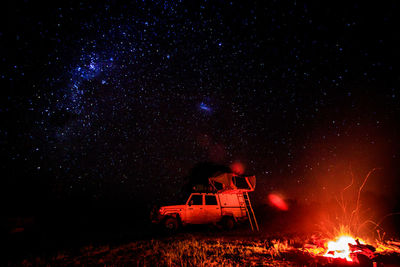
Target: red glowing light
(277, 202)
(237, 168)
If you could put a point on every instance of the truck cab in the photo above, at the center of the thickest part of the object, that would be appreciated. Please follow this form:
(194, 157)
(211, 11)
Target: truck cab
(202, 208)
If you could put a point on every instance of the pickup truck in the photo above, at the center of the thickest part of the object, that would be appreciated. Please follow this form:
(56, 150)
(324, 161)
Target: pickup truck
(225, 208)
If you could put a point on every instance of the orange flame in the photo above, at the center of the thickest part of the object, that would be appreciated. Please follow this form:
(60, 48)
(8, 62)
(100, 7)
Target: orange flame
(340, 248)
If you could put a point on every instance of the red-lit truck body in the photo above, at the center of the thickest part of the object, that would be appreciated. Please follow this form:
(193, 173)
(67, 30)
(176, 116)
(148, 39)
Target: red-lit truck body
(227, 206)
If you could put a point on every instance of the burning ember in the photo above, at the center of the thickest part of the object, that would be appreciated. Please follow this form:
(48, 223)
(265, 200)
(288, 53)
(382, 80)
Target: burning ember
(341, 248)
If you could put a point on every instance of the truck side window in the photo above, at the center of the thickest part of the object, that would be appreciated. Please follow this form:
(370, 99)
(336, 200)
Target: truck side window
(196, 200)
(211, 200)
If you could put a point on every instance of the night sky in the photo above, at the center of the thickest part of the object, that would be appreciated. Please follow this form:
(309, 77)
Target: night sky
(118, 100)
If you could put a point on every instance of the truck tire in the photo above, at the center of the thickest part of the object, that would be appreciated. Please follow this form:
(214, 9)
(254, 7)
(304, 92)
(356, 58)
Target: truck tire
(228, 223)
(171, 224)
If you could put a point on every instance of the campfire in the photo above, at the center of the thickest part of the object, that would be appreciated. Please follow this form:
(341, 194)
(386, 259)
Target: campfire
(341, 248)
(348, 250)
(344, 247)
(342, 243)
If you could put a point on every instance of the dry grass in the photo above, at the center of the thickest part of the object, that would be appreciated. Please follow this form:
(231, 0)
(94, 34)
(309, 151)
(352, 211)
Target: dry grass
(189, 251)
(197, 250)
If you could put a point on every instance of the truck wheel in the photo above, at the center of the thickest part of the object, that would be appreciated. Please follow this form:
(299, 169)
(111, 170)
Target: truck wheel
(228, 223)
(171, 224)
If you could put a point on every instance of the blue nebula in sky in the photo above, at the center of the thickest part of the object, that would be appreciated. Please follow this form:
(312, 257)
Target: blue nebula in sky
(205, 107)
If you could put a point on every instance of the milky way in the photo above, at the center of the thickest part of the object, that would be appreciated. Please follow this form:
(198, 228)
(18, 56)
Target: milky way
(123, 99)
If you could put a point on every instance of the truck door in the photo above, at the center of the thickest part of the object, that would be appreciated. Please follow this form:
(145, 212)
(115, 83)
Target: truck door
(212, 209)
(195, 209)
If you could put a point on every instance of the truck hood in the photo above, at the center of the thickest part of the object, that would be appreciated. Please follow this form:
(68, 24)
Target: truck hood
(171, 209)
(174, 207)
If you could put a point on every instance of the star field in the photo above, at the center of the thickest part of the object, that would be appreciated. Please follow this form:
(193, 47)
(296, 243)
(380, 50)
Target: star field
(121, 100)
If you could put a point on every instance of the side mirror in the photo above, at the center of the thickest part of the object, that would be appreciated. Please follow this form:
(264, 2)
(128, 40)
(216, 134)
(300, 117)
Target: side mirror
(190, 203)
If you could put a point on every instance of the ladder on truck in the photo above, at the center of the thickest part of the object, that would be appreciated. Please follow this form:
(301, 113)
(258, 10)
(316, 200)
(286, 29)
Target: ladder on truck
(249, 210)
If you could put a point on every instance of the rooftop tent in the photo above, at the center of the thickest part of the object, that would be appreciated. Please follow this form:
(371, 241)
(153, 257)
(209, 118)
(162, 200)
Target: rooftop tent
(222, 181)
(230, 181)
(245, 182)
